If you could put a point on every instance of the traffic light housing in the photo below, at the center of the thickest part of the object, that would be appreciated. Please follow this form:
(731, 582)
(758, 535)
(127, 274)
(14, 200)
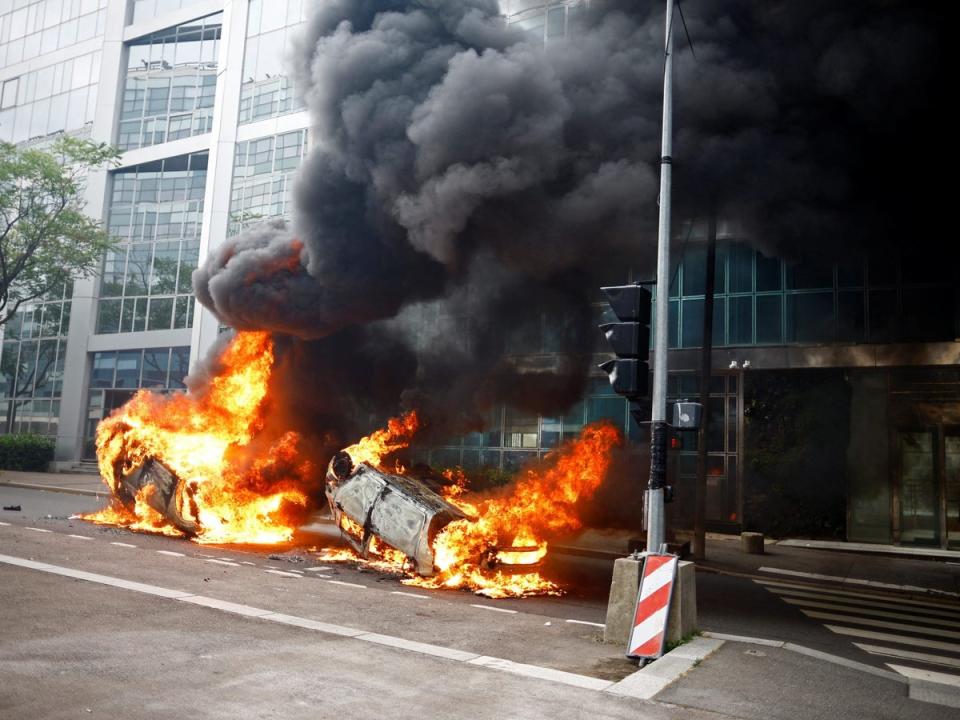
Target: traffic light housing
(629, 339)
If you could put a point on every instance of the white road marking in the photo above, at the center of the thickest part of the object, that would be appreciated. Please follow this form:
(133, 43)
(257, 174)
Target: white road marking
(318, 569)
(920, 630)
(927, 675)
(744, 639)
(929, 608)
(37, 529)
(312, 624)
(222, 562)
(80, 537)
(247, 562)
(171, 553)
(94, 577)
(347, 584)
(120, 544)
(418, 647)
(584, 622)
(5, 524)
(857, 581)
(870, 611)
(890, 637)
(410, 595)
(542, 673)
(283, 573)
(453, 654)
(495, 609)
(910, 655)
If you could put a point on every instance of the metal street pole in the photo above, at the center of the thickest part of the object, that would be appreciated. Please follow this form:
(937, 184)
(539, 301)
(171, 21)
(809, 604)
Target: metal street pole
(659, 429)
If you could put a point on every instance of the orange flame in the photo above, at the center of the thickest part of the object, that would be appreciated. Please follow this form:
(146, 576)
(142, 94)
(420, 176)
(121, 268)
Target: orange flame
(541, 502)
(396, 436)
(487, 553)
(197, 437)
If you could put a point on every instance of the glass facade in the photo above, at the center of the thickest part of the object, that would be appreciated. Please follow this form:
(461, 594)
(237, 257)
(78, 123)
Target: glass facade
(266, 90)
(32, 364)
(58, 97)
(767, 301)
(263, 172)
(156, 209)
(147, 9)
(171, 84)
(32, 29)
(117, 374)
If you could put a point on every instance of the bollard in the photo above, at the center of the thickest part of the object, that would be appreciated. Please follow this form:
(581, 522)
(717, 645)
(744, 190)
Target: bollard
(751, 543)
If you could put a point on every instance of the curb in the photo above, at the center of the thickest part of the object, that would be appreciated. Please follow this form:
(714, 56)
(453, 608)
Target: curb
(55, 488)
(655, 677)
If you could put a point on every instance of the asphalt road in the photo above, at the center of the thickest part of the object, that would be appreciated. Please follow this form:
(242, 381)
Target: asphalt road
(125, 653)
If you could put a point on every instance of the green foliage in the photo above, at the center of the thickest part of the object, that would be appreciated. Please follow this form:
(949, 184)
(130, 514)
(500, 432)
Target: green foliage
(46, 239)
(25, 452)
(487, 478)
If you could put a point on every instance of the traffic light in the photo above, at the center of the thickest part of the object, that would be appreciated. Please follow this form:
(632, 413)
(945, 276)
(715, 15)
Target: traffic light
(629, 339)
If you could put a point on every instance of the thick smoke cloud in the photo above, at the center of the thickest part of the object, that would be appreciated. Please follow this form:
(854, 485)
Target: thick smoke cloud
(465, 180)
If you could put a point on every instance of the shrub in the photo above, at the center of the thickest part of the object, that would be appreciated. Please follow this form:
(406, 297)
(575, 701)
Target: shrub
(25, 452)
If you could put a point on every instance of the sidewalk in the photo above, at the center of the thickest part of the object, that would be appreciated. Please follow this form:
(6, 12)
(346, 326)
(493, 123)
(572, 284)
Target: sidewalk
(74, 483)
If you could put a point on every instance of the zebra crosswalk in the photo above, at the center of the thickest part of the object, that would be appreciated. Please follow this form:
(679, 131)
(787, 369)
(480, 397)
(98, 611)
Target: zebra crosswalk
(911, 636)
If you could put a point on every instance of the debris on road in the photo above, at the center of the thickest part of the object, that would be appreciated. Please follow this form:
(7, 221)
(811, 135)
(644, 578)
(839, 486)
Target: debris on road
(12, 508)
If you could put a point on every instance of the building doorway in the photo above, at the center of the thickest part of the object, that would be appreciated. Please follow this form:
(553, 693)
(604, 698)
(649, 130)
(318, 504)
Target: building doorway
(927, 486)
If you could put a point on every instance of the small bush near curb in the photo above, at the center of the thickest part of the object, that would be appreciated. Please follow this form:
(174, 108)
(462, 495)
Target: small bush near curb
(25, 452)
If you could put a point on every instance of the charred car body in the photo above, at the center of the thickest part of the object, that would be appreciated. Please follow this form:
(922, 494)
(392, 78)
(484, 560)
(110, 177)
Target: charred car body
(401, 511)
(161, 489)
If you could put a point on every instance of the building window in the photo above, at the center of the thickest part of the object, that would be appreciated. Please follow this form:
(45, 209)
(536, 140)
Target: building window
(116, 375)
(147, 9)
(32, 358)
(156, 210)
(263, 178)
(32, 29)
(55, 98)
(171, 84)
(266, 90)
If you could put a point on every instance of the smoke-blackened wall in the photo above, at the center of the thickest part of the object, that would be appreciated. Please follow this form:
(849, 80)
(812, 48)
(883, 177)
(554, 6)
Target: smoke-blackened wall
(464, 178)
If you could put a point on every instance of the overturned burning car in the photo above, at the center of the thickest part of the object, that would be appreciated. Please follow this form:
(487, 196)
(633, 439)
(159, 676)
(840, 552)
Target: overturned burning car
(372, 506)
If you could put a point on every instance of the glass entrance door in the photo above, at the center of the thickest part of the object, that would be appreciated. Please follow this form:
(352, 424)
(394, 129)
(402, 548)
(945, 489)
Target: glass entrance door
(919, 488)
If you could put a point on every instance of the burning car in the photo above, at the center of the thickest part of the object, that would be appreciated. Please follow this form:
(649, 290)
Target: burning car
(399, 510)
(161, 489)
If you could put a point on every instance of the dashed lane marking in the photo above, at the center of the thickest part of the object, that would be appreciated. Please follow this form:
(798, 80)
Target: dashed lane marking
(283, 573)
(495, 609)
(80, 537)
(222, 562)
(347, 584)
(5, 524)
(318, 569)
(410, 595)
(171, 553)
(247, 562)
(37, 529)
(120, 544)
(585, 622)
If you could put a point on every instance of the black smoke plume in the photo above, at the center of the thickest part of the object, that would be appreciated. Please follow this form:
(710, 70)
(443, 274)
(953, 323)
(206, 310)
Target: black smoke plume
(468, 187)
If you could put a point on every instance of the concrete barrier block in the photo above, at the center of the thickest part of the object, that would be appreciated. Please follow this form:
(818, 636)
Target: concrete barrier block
(751, 543)
(623, 599)
(683, 604)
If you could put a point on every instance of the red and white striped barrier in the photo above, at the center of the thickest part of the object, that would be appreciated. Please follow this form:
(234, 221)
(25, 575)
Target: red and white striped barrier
(653, 605)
